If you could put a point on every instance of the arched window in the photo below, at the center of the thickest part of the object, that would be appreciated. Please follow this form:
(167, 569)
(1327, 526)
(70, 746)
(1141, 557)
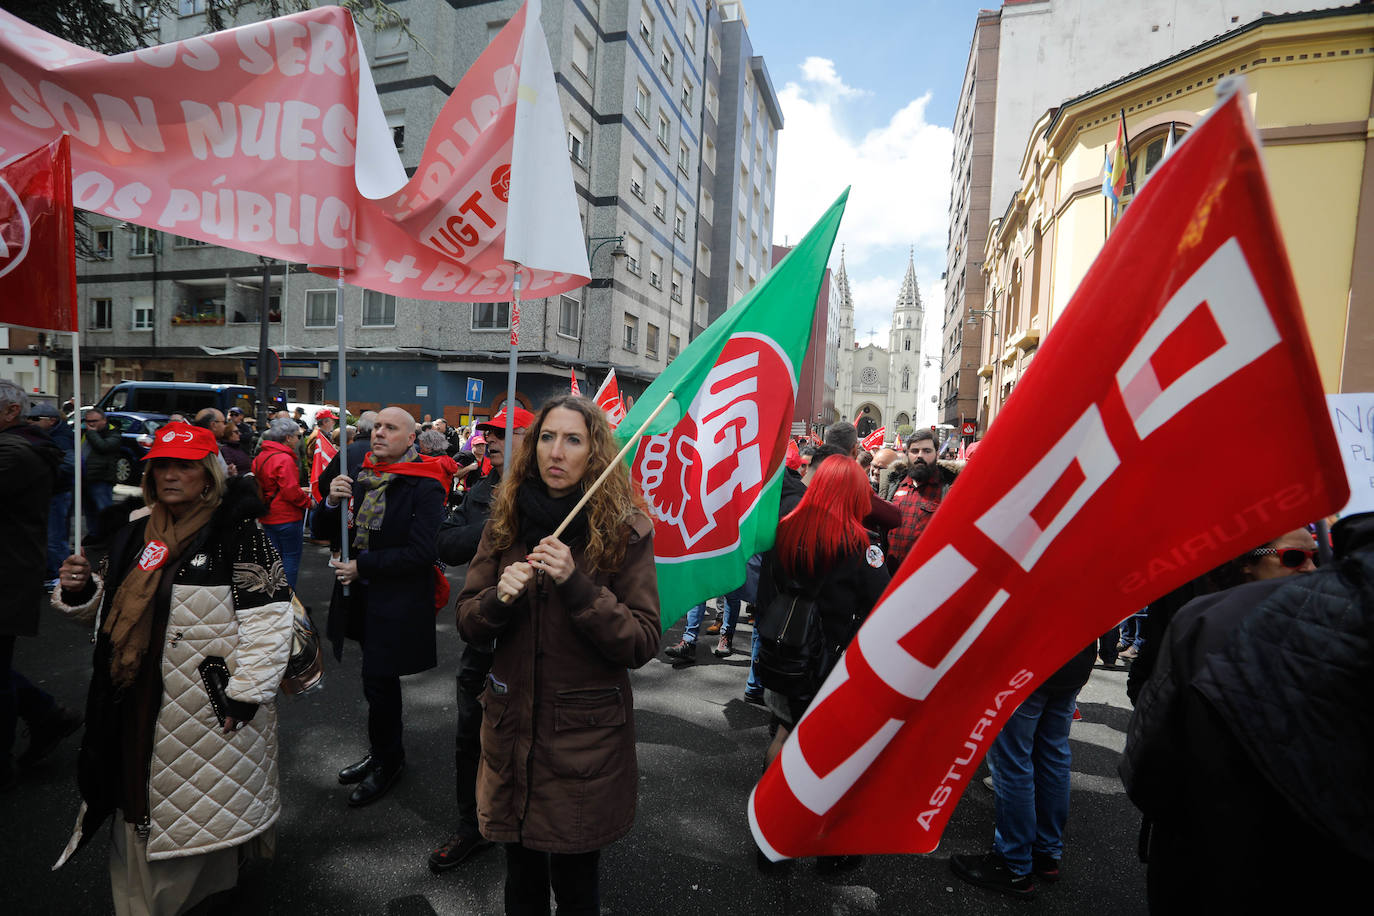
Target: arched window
(906, 379)
(906, 345)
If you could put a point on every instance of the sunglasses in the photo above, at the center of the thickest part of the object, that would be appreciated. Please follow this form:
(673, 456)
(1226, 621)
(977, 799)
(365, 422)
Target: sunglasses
(1291, 557)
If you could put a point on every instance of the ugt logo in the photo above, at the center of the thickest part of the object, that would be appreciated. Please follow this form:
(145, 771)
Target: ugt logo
(709, 471)
(15, 229)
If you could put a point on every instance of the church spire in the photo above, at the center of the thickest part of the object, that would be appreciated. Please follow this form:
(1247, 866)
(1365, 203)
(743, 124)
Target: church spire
(842, 283)
(910, 296)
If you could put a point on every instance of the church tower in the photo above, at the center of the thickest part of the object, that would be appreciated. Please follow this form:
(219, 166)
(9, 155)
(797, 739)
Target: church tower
(844, 388)
(904, 345)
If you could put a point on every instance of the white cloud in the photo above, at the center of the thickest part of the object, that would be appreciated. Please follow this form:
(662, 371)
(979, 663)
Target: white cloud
(899, 174)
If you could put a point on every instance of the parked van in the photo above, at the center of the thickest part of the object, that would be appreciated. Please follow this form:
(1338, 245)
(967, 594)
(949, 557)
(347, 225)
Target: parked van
(186, 398)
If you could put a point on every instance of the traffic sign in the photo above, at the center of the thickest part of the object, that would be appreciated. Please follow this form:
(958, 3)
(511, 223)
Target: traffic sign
(474, 391)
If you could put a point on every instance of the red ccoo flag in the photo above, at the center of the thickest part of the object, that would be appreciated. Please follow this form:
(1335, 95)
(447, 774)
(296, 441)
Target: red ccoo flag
(575, 390)
(874, 439)
(608, 399)
(1188, 314)
(38, 240)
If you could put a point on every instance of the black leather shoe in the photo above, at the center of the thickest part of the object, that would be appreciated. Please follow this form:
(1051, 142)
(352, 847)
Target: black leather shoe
(456, 850)
(375, 784)
(355, 772)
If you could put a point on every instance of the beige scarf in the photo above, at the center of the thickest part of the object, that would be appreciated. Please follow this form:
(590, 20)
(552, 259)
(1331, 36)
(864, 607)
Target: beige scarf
(130, 622)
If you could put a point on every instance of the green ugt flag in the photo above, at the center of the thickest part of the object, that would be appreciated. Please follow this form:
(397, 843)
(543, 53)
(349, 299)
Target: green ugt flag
(710, 464)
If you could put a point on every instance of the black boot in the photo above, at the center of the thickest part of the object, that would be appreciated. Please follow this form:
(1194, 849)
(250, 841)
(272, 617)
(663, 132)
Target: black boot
(355, 772)
(376, 783)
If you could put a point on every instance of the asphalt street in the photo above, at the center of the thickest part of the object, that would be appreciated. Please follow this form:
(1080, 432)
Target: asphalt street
(700, 751)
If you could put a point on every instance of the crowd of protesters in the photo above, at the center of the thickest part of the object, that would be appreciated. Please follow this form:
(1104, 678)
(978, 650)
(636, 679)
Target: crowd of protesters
(559, 602)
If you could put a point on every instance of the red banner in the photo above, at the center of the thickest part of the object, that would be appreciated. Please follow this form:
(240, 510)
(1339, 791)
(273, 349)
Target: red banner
(270, 138)
(1087, 501)
(37, 240)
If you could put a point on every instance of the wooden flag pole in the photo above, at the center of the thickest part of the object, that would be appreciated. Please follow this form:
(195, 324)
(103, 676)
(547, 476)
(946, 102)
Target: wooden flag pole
(610, 468)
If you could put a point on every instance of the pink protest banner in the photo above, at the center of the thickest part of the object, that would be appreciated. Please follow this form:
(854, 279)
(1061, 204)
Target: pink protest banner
(269, 138)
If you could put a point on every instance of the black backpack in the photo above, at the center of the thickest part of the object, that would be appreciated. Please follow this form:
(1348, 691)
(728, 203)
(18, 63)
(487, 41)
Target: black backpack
(790, 641)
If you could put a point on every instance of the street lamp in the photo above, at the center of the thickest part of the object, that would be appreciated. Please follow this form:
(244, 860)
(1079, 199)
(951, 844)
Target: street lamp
(617, 253)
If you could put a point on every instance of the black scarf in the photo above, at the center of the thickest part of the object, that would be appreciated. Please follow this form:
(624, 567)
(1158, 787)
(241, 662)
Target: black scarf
(541, 513)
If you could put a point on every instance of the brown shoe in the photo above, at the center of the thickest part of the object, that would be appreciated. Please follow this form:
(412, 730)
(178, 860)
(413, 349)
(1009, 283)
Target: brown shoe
(713, 629)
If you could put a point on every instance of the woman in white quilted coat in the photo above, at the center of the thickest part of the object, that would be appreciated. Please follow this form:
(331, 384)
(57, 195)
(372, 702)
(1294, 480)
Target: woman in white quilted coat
(196, 579)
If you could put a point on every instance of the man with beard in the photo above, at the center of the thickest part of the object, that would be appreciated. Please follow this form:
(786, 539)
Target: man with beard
(457, 544)
(918, 495)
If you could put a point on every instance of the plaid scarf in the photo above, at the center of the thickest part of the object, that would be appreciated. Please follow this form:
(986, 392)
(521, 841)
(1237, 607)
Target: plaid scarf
(372, 507)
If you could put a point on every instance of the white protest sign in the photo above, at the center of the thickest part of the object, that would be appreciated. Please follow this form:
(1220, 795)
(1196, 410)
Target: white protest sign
(1352, 417)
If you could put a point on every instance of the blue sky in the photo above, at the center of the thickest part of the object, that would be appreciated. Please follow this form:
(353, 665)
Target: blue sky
(869, 100)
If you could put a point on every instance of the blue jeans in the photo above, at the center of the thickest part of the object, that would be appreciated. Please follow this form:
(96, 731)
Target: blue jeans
(727, 622)
(59, 531)
(1133, 630)
(753, 685)
(286, 537)
(1030, 776)
(98, 496)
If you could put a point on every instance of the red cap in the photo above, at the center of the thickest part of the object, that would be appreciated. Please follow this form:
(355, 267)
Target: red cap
(182, 440)
(523, 420)
(326, 413)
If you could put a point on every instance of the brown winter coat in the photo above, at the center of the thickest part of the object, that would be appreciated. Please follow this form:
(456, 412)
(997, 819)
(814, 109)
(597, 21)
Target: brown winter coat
(558, 769)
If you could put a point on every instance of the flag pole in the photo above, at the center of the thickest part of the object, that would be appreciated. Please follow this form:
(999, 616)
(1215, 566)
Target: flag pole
(509, 444)
(343, 415)
(79, 424)
(632, 442)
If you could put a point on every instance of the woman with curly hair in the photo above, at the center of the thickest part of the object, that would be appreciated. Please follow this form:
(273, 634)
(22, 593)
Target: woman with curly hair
(569, 616)
(193, 633)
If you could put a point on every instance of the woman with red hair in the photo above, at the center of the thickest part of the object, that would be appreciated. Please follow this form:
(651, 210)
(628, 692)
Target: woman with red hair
(823, 551)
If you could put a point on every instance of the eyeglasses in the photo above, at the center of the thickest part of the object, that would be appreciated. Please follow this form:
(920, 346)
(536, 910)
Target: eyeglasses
(1291, 557)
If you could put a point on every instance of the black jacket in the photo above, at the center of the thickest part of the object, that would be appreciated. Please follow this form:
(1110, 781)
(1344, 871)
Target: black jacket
(28, 471)
(1250, 750)
(462, 528)
(390, 610)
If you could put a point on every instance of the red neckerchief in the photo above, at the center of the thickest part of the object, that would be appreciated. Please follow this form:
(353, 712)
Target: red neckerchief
(428, 466)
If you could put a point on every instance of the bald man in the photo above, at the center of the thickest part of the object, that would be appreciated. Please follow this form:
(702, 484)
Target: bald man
(397, 503)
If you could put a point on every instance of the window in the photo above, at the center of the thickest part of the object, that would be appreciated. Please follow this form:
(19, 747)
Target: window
(715, 49)
(664, 130)
(319, 308)
(577, 142)
(396, 122)
(680, 223)
(660, 202)
(684, 159)
(190, 7)
(676, 289)
(637, 178)
(674, 344)
(906, 344)
(379, 309)
(145, 242)
(392, 47)
(689, 32)
(494, 28)
(712, 102)
(490, 316)
(656, 270)
(102, 314)
(631, 341)
(642, 102)
(143, 313)
(666, 61)
(181, 241)
(688, 91)
(646, 25)
(635, 250)
(582, 55)
(704, 259)
(708, 154)
(707, 206)
(651, 342)
(569, 313)
(104, 244)
(906, 379)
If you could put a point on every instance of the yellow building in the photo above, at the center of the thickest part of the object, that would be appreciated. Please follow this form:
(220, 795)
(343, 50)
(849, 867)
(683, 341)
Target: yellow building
(1310, 82)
